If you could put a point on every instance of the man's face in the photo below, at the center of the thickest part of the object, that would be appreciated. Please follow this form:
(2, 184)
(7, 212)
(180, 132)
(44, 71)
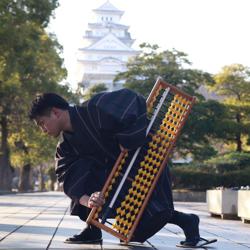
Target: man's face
(50, 124)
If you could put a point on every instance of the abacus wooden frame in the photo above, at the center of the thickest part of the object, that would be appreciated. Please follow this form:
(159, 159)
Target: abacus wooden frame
(160, 84)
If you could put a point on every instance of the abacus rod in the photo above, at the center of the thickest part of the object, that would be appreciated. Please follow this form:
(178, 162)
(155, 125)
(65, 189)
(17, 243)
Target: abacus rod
(111, 204)
(164, 95)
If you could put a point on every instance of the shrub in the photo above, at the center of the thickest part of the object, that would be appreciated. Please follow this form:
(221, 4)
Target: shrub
(229, 162)
(201, 180)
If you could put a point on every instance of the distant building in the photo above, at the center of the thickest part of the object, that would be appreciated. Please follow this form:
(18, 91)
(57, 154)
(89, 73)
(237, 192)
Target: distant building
(208, 94)
(106, 48)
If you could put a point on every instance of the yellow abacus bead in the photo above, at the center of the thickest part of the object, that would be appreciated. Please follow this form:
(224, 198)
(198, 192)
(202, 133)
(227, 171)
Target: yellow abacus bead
(127, 206)
(128, 215)
(140, 171)
(134, 184)
(125, 223)
(150, 178)
(150, 159)
(149, 168)
(154, 153)
(137, 177)
(125, 232)
(123, 204)
(150, 151)
(161, 157)
(118, 210)
(130, 201)
(152, 145)
(132, 190)
(122, 213)
(152, 163)
(158, 132)
(132, 218)
(118, 221)
(139, 203)
(157, 165)
(139, 195)
(121, 231)
(129, 224)
(136, 211)
(142, 164)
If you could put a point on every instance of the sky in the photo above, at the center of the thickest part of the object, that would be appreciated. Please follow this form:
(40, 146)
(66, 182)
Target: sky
(213, 33)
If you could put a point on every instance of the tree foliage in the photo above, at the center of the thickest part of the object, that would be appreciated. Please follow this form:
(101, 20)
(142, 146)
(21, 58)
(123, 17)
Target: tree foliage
(30, 63)
(174, 67)
(95, 89)
(232, 83)
(171, 65)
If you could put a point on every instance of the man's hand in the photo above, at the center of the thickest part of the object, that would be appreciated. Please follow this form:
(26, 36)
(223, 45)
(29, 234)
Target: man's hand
(95, 200)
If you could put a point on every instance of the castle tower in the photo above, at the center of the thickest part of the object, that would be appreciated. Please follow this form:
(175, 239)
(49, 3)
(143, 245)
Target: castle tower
(106, 48)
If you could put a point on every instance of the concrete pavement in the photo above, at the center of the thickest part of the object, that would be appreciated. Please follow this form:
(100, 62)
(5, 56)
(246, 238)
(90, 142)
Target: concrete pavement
(41, 221)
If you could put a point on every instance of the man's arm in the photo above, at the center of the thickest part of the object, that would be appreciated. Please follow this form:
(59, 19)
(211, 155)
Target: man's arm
(75, 173)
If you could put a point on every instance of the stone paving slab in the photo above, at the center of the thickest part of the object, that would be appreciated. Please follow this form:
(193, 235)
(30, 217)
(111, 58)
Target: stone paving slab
(41, 221)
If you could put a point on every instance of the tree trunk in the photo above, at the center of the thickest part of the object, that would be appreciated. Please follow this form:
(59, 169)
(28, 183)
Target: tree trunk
(24, 181)
(52, 178)
(5, 168)
(51, 184)
(238, 135)
(41, 178)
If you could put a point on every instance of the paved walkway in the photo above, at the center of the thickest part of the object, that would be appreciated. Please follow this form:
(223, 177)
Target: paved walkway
(41, 221)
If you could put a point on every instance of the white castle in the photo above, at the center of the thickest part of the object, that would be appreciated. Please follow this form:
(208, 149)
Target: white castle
(106, 49)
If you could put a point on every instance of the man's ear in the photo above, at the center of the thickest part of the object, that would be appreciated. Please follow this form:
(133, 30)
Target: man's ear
(56, 111)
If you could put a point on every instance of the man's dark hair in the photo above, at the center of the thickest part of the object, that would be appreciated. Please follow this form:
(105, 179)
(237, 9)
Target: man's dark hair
(43, 104)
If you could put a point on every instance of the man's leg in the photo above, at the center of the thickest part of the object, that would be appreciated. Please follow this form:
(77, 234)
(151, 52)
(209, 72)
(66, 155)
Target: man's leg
(148, 227)
(90, 234)
(190, 226)
(189, 223)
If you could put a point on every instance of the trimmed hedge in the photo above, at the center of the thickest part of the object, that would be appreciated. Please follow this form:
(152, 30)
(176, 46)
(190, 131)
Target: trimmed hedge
(197, 179)
(228, 162)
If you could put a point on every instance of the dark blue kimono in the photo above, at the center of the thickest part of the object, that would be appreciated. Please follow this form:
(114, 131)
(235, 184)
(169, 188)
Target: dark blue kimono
(85, 157)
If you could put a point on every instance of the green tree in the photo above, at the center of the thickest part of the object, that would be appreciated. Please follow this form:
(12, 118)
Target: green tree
(232, 83)
(95, 89)
(171, 65)
(203, 130)
(30, 63)
(174, 67)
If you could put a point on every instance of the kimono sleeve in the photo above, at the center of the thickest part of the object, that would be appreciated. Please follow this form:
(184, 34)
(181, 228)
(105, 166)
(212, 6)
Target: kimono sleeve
(123, 114)
(74, 172)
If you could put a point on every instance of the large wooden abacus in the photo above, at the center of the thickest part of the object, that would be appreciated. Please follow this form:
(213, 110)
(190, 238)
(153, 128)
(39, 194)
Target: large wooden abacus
(135, 174)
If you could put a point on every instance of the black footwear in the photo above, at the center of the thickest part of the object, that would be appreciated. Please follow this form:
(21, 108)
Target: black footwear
(189, 223)
(90, 235)
(201, 242)
(191, 230)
